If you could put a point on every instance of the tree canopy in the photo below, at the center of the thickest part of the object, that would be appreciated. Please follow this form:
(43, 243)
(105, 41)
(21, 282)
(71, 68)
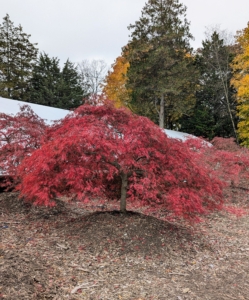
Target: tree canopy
(92, 75)
(100, 151)
(19, 136)
(161, 67)
(108, 154)
(115, 83)
(240, 81)
(54, 87)
(17, 57)
(214, 113)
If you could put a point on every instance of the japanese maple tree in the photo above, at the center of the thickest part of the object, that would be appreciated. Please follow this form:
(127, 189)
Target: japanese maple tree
(101, 151)
(19, 136)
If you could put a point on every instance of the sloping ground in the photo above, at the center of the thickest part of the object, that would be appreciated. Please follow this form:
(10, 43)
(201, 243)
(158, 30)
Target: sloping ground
(70, 253)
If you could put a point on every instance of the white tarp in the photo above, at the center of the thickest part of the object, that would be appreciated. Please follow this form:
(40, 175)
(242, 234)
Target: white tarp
(9, 106)
(50, 114)
(178, 135)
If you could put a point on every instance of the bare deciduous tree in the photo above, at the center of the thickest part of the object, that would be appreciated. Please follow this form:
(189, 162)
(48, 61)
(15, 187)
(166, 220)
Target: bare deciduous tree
(92, 75)
(222, 48)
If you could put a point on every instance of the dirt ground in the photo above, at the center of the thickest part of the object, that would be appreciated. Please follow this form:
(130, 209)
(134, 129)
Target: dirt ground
(72, 253)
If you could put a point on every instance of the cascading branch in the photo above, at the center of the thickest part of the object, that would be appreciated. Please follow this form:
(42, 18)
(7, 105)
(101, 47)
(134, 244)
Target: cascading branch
(101, 151)
(114, 155)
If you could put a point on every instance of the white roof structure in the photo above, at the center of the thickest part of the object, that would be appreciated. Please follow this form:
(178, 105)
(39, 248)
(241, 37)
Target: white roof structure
(50, 114)
(178, 135)
(47, 113)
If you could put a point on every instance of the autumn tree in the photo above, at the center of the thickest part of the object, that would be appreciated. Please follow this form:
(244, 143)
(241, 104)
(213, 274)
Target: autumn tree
(20, 135)
(114, 86)
(214, 113)
(161, 70)
(240, 81)
(17, 57)
(97, 149)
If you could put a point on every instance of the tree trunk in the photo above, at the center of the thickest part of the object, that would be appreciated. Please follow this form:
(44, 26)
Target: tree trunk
(124, 178)
(161, 112)
(225, 88)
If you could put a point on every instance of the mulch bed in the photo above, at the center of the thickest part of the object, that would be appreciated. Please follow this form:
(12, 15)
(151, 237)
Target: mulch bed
(72, 252)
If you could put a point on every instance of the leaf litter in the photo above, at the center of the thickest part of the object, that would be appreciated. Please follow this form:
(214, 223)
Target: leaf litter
(75, 252)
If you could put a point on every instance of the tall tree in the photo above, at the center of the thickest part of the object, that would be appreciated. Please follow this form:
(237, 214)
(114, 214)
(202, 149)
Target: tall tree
(241, 83)
(54, 87)
(215, 111)
(17, 57)
(161, 68)
(115, 83)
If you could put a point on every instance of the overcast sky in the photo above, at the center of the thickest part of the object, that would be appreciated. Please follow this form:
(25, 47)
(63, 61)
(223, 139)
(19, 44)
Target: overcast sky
(97, 29)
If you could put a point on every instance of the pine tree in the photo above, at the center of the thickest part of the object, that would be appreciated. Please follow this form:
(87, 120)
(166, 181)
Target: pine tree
(161, 68)
(17, 56)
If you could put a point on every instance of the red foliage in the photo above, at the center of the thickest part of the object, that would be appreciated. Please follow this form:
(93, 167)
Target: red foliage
(238, 212)
(227, 144)
(19, 136)
(226, 160)
(99, 149)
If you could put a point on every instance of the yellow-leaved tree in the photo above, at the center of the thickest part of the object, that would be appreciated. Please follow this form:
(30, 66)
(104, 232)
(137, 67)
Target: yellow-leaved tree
(240, 81)
(115, 81)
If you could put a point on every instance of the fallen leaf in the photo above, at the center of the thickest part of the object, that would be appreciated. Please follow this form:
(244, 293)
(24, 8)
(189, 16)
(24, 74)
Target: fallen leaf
(186, 290)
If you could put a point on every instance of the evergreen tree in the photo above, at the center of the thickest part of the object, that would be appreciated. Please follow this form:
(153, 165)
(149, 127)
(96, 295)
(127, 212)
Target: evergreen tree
(17, 56)
(54, 87)
(215, 111)
(44, 85)
(161, 72)
(71, 94)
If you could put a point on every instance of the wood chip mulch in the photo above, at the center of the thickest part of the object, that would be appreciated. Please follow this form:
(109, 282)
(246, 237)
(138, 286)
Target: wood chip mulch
(70, 252)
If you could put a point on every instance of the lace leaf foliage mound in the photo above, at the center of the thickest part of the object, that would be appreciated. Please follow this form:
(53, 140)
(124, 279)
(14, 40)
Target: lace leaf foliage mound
(111, 154)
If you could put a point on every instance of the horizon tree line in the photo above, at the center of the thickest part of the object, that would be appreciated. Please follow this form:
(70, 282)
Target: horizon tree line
(158, 74)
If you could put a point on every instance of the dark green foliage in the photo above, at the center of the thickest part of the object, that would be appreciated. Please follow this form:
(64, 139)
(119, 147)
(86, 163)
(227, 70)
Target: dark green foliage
(143, 105)
(54, 87)
(215, 111)
(71, 93)
(200, 123)
(44, 85)
(161, 66)
(17, 56)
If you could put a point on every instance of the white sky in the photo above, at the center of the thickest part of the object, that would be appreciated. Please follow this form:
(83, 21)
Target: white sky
(97, 29)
